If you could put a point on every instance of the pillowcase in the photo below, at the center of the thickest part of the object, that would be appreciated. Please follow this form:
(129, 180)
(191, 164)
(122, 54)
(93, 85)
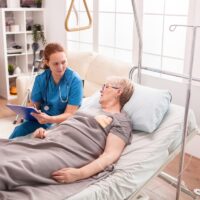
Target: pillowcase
(146, 107)
(91, 102)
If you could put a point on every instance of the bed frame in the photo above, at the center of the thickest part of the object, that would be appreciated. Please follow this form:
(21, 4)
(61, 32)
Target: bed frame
(171, 180)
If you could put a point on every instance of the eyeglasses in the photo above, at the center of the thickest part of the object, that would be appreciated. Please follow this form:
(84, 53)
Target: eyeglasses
(109, 86)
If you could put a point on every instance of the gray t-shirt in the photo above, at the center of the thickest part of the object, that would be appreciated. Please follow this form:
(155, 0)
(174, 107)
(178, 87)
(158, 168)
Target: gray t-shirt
(98, 121)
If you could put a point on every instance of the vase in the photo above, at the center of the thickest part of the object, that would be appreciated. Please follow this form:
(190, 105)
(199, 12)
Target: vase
(17, 70)
(13, 3)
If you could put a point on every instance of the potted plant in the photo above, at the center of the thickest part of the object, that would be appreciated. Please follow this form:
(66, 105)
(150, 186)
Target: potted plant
(37, 36)
(11, 69)
(38, 3)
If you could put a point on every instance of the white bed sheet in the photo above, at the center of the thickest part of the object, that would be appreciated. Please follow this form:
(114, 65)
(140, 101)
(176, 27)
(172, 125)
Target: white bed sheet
(141, 159)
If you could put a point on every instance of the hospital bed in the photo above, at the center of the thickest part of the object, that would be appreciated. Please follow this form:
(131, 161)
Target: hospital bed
(143, 159)
(148, 153)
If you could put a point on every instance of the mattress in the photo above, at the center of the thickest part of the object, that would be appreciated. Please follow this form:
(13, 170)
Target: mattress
(141, 159)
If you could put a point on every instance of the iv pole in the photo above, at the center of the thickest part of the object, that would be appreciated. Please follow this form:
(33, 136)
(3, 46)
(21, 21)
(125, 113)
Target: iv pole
(194, 29)
(140, 40)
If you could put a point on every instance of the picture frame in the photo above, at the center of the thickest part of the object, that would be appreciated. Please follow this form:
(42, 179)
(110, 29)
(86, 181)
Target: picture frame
(3, 4)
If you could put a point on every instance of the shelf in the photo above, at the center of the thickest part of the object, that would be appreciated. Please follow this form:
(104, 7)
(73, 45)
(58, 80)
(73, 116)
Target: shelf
(14, 33)
(12, 97)
(13, 76)
(31, 52)
(22, 9)
(14, 23)
(21, 74)
(16, 54)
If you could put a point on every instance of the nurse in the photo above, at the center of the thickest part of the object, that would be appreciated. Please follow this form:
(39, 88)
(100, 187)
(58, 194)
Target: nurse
(56, 93)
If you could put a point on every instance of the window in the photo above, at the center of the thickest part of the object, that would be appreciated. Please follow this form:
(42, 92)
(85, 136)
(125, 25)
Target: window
(113, 25)
(162, 48)
(80, 40)
(113, 31)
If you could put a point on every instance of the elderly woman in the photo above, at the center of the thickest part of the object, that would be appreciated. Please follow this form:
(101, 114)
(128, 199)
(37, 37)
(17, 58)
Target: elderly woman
(77, 149)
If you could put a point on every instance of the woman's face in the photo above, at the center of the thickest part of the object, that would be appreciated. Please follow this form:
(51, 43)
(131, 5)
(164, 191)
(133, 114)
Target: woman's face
(58, 63)
(109, 92)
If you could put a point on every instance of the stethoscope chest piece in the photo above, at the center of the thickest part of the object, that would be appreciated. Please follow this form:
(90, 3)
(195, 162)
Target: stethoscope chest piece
(46, 108)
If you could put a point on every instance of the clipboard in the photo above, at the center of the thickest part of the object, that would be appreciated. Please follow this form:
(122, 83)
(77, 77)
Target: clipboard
(23, 111)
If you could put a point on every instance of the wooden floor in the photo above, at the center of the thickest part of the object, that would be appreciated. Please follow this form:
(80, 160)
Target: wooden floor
(157, 189)
(191, 175)
(160, 190)
(5, 112)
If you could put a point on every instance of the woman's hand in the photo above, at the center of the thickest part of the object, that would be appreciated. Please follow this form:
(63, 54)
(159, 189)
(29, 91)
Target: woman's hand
(39, 133)
(67, 175)
(42, 118)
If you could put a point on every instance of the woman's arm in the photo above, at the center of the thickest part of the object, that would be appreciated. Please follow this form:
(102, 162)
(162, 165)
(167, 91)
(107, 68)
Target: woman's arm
(113, 149)
(43, 118)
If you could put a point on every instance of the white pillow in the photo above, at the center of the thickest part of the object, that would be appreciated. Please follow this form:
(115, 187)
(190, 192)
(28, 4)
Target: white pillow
(146, 107)
(91, 102)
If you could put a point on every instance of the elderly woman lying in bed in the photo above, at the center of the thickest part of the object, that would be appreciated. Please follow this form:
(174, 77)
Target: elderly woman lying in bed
(78, 148)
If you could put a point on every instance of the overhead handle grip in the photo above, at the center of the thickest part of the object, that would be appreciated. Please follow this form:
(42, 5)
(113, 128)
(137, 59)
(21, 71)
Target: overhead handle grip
(81, 27)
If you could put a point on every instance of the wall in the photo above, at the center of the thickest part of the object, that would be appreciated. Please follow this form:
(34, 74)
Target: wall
(55, 17)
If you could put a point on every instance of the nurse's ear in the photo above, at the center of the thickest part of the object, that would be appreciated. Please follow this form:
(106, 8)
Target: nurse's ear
(45, 64)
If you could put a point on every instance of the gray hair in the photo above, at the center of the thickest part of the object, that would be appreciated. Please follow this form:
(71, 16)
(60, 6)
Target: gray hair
(125, 84)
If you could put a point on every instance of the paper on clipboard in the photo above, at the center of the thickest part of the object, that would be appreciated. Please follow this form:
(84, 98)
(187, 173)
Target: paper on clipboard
(23, 111)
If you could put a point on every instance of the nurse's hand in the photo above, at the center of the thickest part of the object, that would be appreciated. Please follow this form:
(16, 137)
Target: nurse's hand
(42, 118)
(39, 133)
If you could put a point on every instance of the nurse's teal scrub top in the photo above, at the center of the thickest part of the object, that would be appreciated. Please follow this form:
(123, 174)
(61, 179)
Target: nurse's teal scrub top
(55, 97)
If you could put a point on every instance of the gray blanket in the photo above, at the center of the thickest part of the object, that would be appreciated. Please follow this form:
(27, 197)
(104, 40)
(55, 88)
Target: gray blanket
(26, 165)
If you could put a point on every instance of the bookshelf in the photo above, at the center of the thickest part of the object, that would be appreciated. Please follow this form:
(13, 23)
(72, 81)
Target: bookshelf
(15, 42)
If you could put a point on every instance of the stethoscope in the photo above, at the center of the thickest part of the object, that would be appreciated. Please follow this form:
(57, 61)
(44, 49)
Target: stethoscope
(46, 107)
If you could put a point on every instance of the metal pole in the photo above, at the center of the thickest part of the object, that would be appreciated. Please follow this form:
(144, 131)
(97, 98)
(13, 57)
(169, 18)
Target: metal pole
(140, 40)
(181, 163)
(165, 72)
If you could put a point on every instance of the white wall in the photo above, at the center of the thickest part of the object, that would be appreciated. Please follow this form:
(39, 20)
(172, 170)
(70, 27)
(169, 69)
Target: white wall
(55, 12)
